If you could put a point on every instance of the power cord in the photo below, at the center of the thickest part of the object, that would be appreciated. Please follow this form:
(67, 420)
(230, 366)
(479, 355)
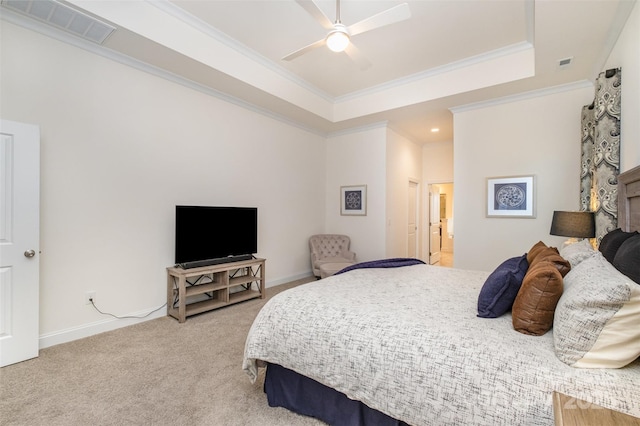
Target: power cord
(125, 316)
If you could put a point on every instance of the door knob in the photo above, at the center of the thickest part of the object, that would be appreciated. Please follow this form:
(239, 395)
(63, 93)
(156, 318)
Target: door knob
(29, 253)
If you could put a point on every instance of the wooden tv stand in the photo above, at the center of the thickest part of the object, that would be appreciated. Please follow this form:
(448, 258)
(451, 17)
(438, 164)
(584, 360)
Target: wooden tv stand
(197, 290)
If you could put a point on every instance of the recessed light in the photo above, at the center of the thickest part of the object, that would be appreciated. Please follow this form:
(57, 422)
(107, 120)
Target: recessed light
(435, 130)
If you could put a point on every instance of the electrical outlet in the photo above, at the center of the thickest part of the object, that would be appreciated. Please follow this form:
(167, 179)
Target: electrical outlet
(88, 296)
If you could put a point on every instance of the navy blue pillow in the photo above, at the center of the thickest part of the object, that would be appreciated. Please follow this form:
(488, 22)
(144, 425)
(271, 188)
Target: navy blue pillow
(501, 287)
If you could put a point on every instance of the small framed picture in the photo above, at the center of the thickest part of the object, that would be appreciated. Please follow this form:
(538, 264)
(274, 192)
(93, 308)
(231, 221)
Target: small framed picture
(353, 200)
(511, 197)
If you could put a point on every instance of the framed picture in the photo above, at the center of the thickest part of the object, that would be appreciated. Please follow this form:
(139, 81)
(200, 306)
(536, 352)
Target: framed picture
(353, 200)
(511, 197)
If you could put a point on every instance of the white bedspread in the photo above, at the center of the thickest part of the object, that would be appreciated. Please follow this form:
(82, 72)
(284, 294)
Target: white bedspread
(407, 342)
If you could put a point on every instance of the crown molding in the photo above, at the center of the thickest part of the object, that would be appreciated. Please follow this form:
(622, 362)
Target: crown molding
(373, 126)
(581, 84)
(197, 23)
(443, 69)
(393, 127)
(358, 129)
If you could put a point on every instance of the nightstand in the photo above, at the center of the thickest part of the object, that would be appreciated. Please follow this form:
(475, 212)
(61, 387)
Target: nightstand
(569, 411)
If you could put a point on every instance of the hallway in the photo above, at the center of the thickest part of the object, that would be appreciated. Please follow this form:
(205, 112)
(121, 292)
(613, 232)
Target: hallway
(446, 259)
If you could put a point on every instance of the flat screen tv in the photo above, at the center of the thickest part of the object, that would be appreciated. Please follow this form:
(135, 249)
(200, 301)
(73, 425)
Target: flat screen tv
(212, 235)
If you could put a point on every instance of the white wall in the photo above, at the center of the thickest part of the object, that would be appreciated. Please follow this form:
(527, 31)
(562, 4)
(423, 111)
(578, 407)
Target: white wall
(358, 158)
(437, 162)
(385, 161)
(538, 136)
(626, 55)
(119, 149)
(404, 164)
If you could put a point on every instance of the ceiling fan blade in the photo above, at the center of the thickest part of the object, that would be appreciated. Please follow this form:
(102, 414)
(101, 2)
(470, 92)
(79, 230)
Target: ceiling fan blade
(390, 16)
(304, 50)
(315, 11)
(357, 56)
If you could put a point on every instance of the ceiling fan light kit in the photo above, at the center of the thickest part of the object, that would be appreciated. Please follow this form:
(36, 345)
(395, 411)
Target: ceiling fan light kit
(338, 39)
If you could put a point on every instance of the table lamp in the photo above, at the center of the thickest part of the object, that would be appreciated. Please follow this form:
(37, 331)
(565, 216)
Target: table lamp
(575, 225)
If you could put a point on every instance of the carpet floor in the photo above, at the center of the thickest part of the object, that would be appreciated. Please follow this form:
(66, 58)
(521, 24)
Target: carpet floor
(158, 372)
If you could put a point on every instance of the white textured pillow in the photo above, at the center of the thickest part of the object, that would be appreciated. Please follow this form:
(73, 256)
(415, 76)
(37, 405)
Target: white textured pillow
(577, 252)
(596, 322)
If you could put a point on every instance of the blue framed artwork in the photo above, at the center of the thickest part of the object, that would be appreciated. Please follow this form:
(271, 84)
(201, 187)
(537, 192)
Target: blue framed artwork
(511, 197)
(353, 200)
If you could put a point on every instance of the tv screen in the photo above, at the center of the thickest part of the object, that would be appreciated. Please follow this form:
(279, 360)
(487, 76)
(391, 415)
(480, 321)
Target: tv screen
(209, 235)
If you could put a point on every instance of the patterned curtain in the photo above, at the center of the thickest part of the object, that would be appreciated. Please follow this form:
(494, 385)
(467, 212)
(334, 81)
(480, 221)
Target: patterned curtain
(600, 157)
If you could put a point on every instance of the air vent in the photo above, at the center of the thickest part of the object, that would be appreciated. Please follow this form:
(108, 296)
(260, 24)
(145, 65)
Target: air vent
(63, 17)
(563, 63)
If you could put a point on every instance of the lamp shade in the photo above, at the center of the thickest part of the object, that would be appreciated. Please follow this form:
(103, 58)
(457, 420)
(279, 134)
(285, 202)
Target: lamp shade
(573, 224)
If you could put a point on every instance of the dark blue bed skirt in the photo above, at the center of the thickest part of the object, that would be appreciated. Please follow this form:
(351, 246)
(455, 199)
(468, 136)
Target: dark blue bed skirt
(302, 395)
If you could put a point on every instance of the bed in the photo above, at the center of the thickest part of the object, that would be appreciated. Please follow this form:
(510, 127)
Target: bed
(404, 345)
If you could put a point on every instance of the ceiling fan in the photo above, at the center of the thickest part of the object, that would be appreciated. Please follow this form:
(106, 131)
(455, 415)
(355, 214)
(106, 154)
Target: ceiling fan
(338, 38)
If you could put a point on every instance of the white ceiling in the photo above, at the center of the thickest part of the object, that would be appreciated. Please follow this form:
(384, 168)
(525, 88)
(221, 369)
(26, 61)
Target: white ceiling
(447, 54)
(430, 38)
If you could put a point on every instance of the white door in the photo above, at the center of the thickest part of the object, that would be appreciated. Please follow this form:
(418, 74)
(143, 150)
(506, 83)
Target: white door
(412, 240)
(434, 225)
(19, 241)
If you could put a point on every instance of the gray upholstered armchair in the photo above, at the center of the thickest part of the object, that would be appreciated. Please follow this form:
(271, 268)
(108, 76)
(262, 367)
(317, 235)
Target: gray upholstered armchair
(329, 248)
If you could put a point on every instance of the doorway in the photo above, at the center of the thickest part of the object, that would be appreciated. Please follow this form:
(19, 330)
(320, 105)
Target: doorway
(441, 241)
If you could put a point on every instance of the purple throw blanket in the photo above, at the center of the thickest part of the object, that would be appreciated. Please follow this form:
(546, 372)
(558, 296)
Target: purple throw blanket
(383, 263)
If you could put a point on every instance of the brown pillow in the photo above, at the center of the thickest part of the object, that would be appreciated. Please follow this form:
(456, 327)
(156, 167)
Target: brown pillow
(534, 307)
(550, 254)
(535, 250)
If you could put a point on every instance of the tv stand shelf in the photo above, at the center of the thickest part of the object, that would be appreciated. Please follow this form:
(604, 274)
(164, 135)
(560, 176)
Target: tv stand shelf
(197, 290)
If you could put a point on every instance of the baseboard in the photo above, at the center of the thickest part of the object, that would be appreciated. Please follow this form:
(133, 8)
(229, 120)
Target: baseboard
(86, 330)
(290, 278)
(109, 324)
